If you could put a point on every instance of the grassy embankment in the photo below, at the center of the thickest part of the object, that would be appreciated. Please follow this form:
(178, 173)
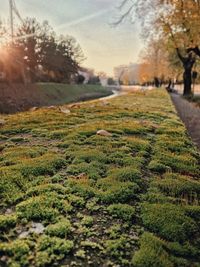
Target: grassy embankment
(20, 97)
(64, 93)
(127, 200)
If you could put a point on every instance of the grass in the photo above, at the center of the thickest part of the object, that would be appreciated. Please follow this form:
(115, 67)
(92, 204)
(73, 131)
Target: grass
(64, 93)
(46, 94)
(130, 199)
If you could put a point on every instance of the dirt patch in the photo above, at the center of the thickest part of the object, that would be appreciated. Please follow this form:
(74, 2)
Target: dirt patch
(190, 115)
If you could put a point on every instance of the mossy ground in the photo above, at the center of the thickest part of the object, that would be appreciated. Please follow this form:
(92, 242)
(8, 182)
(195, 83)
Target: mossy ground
(127, 200)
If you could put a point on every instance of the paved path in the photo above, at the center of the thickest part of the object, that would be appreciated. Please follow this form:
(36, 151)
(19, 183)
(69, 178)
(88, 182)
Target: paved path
(190, 115)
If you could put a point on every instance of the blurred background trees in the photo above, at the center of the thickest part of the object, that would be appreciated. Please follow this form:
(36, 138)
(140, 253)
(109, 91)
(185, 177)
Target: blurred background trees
(36, 53)
(175, 24)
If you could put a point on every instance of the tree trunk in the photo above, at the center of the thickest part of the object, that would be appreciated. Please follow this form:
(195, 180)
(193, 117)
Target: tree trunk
(188, 63)
(187, 78)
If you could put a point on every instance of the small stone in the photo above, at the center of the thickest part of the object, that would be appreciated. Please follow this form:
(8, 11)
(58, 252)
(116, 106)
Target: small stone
(74, 106)
(18, 231)
(37, 228)
(105, 103)
(92, 106)
(82, 176)
(65, 110)
(8, 211)
(51, 107)
(104, 133)
(4, 258)
(2, 122)
(34, 109)
(24, 234)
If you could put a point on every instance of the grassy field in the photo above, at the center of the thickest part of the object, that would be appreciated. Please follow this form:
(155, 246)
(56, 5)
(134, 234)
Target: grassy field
(19, 97)
(70, 197)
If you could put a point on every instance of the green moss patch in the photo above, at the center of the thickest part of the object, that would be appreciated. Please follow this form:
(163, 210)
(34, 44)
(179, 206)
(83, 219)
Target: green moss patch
(122, 211)
(169, 221)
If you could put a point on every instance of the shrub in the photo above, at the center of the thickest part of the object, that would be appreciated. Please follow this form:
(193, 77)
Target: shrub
(122, 211)
(169, 221)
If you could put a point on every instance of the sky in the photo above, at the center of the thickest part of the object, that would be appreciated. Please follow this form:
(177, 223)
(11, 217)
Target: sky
(90, 22)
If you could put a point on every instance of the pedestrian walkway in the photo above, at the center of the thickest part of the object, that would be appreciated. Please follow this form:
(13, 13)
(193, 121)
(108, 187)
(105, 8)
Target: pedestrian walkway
(190, 115)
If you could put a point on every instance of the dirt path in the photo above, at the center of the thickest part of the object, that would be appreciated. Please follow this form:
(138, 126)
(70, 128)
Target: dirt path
(190, 115)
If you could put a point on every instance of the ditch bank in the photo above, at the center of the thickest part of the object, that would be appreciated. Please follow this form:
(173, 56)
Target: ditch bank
(19, 97)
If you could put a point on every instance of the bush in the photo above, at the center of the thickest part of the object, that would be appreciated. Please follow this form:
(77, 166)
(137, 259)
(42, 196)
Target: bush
(122, 211)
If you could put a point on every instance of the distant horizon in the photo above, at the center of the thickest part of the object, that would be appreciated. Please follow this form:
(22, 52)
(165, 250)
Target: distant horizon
(104, 46)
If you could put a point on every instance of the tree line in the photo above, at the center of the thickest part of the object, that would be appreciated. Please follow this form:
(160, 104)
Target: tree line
(36, 53)
(171, 29)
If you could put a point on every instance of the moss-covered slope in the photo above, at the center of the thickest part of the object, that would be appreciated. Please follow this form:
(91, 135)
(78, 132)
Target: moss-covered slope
(70, 197)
